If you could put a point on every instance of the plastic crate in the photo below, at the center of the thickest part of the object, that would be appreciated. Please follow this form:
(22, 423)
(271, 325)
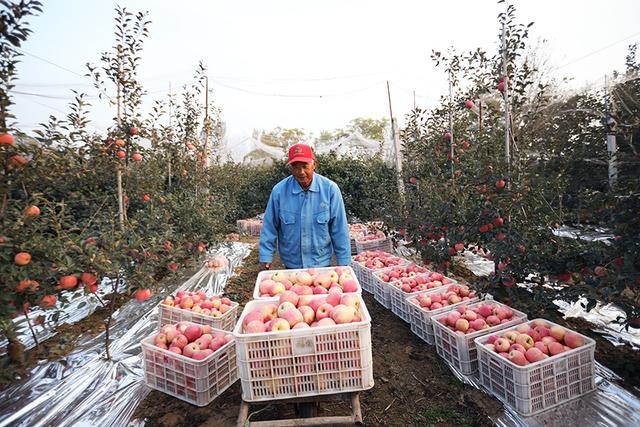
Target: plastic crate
(194, 381)
(304, 362)
(421, 324)
(538, 386)
(366, 274)
(382, 244)
(256, 289)
(393, 298)
(460, 350)
(168, 315)
(398, 299)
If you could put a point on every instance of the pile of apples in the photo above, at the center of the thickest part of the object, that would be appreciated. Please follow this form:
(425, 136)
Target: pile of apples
(198, 302)
(375, 260)
(534, 341)
(356, 230)
(469, 319)
(413, 278)
(454, 294)
(295, 311)
(191, 340)
(370, 237)
(307, 282)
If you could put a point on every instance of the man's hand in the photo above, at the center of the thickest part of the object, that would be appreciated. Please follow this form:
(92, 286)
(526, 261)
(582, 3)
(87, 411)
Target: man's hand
(266, 265)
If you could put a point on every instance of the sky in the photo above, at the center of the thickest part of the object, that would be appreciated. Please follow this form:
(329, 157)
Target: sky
(314, 65)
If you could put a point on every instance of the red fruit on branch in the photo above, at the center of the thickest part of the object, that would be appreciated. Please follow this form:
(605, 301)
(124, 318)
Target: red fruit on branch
(18, 160)
(469, 104)
(27, 286)
(619, 262)
(68, 282)
(120, 142)
(48, 301)
(498, 222)
(146, 197)
(134, 131)
(32, 210)
(142, 294)
(500, 183)
(501, 236)
(22, 258)
(6, 139)
(447, 136)
(137, 157)
(172, 266)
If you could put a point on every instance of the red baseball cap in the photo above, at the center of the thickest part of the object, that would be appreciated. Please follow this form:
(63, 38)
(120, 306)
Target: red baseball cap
(300, 153)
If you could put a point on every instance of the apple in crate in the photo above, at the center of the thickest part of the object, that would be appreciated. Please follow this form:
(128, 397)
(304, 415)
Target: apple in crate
(196, 342)
(311, 312)
(530, 341)
(199, 302)
(308, 282)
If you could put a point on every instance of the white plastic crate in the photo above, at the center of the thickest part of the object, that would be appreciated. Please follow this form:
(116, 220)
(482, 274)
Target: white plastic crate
(382, 244)
(421, 319)
(390, 296)
(256, 289)
(366, 274)
(168, 315)
(398, 299)
(539, 386)
(304, 362)
(194, 381)
(460, 350)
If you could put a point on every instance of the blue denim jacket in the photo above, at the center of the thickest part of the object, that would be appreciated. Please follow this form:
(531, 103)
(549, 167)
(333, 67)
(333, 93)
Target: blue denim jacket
(308, 226)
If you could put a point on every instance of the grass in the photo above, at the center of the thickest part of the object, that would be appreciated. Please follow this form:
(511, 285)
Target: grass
(439, 416)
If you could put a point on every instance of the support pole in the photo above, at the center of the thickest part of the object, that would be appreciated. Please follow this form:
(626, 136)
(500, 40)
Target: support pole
(397, 149)
(612, 146)
(119, 171)
(507, 129)
(451, 150)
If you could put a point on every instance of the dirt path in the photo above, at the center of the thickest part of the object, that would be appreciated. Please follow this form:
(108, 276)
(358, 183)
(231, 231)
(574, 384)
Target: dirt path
(412, 384)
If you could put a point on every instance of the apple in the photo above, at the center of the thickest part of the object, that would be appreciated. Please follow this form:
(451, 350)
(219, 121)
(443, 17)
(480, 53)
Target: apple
(326, 321)
(523, 328)
(500, 183)
(573, 340)
(452, 318)
(462, 325)
(289, 296)
(284, 307)
(518, 358)
(557, 332)
(254, 327)
(6, 138)
(204, 341)
(277, 288)
(323, 311)
(502, 344)
(22, 258)
(292, 316)
(511, 336)
(493, 320)
(350, 300)
(478, 324)
(517, 347)
(180, 341)
(279, 324)
(68, 282)
(279, 276)
(335, 296)
(193, 332)
(308, 314)
(304, 278)
(555, 348)
(142, 294)
(350, 285)
(542, 347)
(525, 340)
(189, 349)
(342, 314)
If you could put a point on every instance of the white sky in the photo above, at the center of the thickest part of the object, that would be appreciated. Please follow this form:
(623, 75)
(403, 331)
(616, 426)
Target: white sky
(344, 50)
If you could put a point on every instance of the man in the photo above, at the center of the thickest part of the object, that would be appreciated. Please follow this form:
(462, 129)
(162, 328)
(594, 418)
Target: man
(305, 215)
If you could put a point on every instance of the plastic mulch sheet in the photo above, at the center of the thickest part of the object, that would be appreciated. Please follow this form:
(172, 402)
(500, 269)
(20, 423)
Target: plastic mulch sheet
(86, 389)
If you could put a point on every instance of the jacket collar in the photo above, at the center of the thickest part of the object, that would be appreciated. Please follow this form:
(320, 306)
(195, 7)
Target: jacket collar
(315, 187)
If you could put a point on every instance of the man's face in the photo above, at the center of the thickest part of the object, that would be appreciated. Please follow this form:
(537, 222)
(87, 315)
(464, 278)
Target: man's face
(303, 172)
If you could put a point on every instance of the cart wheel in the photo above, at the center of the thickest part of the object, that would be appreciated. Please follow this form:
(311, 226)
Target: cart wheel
(307, 410)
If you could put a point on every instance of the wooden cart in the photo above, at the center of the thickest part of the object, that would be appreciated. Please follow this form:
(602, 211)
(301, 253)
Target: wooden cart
(306, 409)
